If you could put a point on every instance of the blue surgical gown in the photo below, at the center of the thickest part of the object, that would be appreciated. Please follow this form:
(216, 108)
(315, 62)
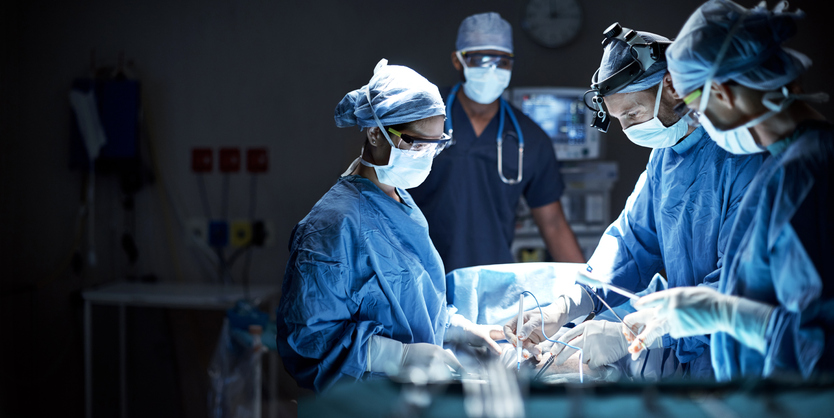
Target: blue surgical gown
(781, 253)
(677, 219)
(360, 264)
(471, 211)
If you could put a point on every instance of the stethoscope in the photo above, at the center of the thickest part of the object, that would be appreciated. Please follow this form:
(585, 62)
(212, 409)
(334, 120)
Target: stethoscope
(505, 108)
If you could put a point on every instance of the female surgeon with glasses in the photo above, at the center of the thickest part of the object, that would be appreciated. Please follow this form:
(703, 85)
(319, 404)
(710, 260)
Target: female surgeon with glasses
(364, 291)
(772, 313)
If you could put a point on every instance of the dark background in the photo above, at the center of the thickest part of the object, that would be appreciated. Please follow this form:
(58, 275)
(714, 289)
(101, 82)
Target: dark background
(222, 73)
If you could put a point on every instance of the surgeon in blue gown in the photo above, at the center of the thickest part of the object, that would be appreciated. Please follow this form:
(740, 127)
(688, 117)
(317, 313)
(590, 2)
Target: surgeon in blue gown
(677, 220)
(364, 292)
(772, 315)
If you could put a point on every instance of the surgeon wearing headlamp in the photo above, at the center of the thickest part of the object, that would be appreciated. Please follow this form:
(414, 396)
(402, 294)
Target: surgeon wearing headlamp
(771, 313)
(676, 220)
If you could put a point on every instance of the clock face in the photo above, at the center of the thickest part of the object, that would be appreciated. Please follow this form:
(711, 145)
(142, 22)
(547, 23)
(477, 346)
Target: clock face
(552, 23)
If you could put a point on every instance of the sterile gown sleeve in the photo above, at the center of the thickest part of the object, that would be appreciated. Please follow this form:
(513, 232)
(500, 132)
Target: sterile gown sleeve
(327, 343)
(628, 254)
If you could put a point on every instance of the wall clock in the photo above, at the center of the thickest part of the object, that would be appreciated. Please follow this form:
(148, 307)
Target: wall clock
(552, 23)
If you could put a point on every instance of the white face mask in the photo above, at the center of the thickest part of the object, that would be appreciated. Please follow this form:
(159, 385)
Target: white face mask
(735, 141)
(405, 169)
(484, 84)
(652, 133)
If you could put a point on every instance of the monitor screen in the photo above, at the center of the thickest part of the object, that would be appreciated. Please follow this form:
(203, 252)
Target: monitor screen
(562, 114)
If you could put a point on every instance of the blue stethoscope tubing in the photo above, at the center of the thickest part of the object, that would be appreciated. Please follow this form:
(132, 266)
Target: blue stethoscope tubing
(505, 108)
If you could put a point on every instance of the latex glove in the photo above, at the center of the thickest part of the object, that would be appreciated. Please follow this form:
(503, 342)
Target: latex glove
(463, 331)
(602, 342)
(573, 304)
(644, 331)
(428, 357)
(392, 357)
(701, 310)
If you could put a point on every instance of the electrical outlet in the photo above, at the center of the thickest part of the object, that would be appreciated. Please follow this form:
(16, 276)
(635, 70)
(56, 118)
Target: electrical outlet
(202, 160)
(263, 233)
(229, 160)
(240, 233)
(218, 233)
(269, 228)
(197, 230)
(257, 160)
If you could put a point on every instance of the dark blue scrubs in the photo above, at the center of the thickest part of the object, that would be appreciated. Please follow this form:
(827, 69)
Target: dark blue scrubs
(471, 212)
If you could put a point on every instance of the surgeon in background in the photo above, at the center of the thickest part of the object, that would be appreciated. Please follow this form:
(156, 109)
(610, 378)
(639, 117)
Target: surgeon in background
(772, 313)
(677, 219)
(364, 291)
(471, 210)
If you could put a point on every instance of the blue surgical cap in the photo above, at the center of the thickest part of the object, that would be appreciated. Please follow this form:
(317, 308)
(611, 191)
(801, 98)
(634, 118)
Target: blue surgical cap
(754, 57)
(617, 55)
(398, 94)
(485, 31)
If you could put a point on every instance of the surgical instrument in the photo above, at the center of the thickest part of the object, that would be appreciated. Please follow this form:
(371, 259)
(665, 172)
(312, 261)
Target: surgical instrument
(581, 352)
(518, 348)
(547, 364)
(584, 278)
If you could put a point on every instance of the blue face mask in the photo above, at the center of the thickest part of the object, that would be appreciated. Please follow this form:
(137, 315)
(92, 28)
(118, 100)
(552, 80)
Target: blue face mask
(652, 133)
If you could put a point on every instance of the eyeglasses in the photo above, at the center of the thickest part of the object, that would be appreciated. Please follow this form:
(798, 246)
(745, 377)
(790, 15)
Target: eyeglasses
(423, 145)
(477, 59)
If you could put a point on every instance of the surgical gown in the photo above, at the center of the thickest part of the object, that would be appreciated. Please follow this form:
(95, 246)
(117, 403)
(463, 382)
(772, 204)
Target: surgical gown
(781, 253)
(360, 264)
(677, 219)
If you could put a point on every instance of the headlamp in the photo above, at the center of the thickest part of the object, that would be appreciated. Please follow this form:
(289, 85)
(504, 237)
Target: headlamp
(645, 55)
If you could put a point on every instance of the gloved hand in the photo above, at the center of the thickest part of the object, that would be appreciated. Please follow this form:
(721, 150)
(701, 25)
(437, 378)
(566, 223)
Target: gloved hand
(602, 342)
(391, 357)
(699, 310)
(648, 330)
(463, 331)
(573, 304)
(428, 357)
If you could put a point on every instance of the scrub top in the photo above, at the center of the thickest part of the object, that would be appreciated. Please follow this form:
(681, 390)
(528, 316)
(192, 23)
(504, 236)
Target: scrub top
(470, 210)
(360, 264)
(781, 253)
(677, 219)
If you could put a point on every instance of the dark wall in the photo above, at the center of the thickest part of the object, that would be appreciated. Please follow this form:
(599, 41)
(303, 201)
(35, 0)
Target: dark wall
(227, 72)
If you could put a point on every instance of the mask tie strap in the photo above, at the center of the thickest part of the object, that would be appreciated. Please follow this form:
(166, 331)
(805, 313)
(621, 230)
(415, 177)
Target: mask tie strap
(373, 113)
(772, 101)
(657, 101)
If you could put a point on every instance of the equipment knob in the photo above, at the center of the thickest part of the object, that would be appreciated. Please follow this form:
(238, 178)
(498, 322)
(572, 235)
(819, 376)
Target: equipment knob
(613, 30)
